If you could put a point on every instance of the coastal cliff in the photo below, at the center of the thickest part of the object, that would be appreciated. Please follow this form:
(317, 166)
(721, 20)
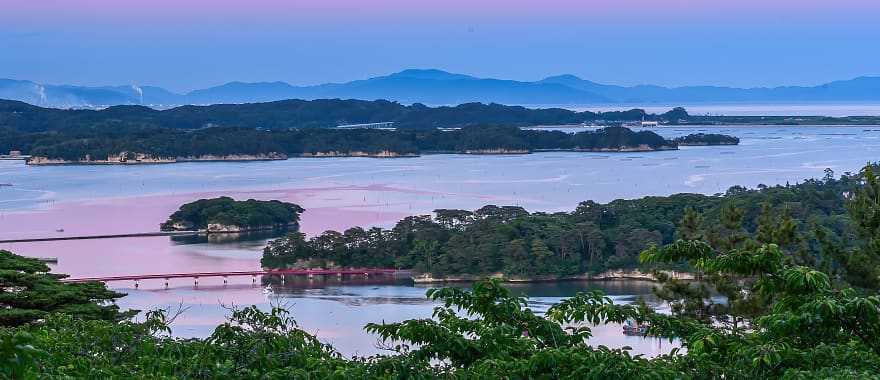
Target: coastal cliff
(234, 228)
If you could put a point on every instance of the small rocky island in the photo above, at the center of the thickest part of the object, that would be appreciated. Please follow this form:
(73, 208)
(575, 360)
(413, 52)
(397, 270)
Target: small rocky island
(226, 215)
(705, 139)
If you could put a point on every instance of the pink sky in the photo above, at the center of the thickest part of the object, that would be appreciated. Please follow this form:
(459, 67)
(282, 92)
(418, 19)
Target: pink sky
(72, 11)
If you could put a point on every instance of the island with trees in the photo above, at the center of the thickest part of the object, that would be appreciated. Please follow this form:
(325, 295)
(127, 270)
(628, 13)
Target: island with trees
(592, 241)
(698, 139)
(784, 295)
(168, 145)
(295, 128)
(225, 215)
(300, 114)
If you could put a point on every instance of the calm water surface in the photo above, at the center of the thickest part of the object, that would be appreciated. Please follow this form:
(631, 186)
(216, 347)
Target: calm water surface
(343, 192)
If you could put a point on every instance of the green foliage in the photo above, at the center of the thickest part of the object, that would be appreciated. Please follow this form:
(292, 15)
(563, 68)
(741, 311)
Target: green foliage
(28, 293)
(810, 330)
(251, 213)
(778, 318)
(803, 220)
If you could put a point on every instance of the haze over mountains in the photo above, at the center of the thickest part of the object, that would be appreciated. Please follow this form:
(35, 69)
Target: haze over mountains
(436, 87)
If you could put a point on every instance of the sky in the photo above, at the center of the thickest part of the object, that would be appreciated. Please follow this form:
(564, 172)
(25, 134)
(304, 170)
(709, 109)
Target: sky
(188, 44)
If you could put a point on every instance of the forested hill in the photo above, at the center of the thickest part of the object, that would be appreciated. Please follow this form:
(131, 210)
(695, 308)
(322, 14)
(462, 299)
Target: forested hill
(305, 114)
(593, 238)
(146, 145)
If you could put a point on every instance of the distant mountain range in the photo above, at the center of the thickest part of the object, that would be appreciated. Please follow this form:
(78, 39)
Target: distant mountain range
(436, 87)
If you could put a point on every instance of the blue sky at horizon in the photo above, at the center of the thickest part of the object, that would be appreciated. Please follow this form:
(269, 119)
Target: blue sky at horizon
(184, 45)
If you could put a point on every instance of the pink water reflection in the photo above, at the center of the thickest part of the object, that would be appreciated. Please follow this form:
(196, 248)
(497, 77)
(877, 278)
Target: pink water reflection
(326, 208)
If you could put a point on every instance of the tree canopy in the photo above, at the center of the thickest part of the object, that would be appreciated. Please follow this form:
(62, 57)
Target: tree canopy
(198, 215)
(28, 293)
(592, 238)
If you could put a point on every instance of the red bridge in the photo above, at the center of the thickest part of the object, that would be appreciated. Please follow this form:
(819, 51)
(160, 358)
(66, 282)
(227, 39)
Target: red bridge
(253, 274)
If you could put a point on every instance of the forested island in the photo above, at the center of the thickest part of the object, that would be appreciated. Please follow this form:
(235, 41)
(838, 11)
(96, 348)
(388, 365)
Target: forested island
(798, 300)
(699, 139)
(168, 145)
(294, 128)
(325, 113)
(225, 214)
(328, 113)
(514, 244)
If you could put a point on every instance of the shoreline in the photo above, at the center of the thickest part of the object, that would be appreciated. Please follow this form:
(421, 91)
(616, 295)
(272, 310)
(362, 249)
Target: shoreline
(43, 161)
(609, 275)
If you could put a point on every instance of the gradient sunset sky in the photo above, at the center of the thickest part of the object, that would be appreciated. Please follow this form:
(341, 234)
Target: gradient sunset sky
(187, 44)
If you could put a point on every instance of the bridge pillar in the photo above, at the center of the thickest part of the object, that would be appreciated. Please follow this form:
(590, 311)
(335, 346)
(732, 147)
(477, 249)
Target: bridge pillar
(166, 283)
(338, 274)
(254, 279)
(224, 280)
(136, 284)
(196, 283)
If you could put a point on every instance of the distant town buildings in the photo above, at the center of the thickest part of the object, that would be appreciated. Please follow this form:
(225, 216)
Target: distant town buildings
(386, 125)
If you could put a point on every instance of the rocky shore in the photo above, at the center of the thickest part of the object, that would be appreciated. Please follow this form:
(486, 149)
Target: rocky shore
(604, 276)
(129, 158)
(381, 154)
(217, 228)
(707, 144)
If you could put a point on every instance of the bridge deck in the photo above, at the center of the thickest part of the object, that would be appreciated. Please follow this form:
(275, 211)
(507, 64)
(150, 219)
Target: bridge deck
(114, 236)
(300, 272)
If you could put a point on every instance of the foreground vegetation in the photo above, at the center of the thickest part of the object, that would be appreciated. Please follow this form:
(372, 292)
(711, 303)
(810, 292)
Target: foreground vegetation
(228, 213)
(790, 312)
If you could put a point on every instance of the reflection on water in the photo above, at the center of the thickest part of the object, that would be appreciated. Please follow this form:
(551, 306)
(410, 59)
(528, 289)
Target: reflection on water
(337, 310)
(244, 239)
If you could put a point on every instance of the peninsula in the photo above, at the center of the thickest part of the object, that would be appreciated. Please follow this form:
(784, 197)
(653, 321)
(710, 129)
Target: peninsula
(593, 241)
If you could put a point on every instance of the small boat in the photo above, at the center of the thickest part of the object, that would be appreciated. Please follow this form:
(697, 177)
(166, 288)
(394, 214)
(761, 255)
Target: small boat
(59, 230)
(632, 328)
